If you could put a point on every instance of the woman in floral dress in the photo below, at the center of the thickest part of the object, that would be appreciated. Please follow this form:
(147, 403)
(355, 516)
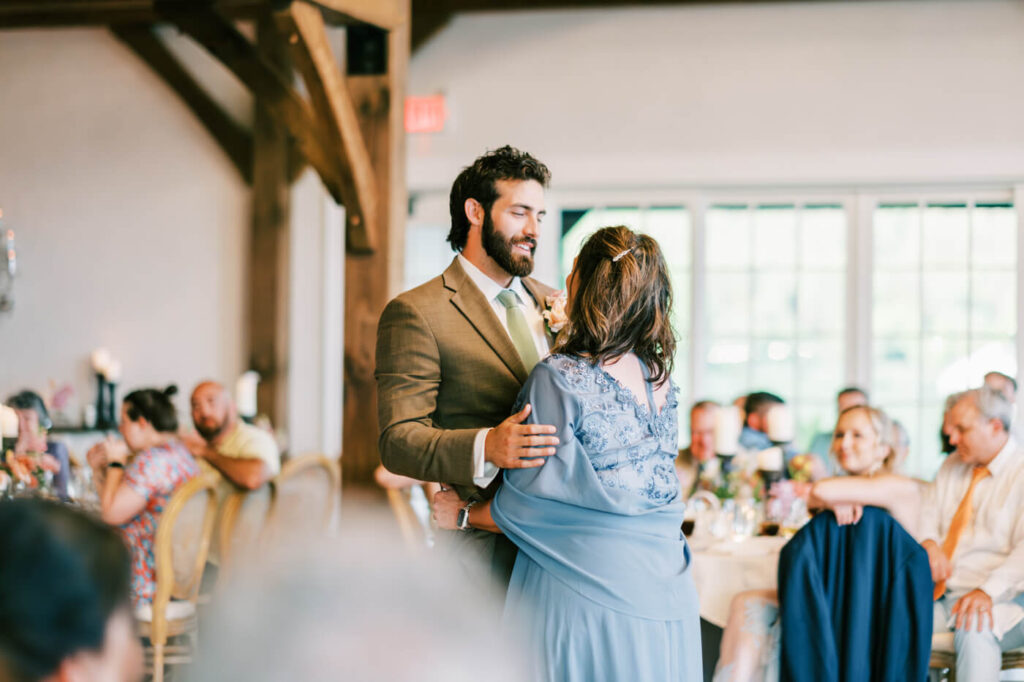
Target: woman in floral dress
(137, 476)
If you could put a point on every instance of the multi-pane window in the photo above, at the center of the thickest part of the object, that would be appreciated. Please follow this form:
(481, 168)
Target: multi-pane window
(912, 299)
(775, 297)
(670, 225)
(944, 309)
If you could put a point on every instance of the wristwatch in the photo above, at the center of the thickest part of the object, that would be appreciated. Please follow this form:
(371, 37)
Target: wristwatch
(462, 520)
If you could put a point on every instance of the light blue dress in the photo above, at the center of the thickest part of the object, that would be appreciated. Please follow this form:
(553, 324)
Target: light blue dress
(602, 582)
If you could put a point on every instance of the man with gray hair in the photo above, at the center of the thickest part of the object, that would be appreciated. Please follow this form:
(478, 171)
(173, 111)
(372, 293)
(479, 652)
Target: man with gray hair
(973, 530)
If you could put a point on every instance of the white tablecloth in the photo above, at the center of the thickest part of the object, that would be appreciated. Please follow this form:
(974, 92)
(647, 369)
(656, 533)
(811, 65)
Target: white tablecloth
(727, 567)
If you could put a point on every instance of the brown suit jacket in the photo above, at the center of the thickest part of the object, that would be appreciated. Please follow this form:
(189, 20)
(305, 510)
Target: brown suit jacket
(446, 368)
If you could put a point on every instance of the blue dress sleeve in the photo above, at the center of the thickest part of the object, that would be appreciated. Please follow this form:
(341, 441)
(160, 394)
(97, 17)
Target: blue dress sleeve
(553, 404)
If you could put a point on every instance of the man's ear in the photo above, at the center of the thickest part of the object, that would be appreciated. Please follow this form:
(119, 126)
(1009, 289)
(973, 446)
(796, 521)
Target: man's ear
(474, 212)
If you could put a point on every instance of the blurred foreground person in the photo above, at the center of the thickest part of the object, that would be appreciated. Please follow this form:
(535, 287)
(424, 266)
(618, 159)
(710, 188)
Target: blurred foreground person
(65, 612)
(360, 608)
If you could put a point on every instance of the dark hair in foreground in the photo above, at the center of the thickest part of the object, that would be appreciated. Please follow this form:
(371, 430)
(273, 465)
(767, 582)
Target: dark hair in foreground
(30, 400)
(154, 406)
(63, 574)
(622, 302)
(478, 182)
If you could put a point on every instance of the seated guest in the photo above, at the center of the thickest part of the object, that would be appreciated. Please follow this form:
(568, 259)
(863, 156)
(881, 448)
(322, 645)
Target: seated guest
(972, 531)
(137, 476)
(900, 445)
(33, 424)
(247, 455)
(821, 444)
(691, 459)
(64, 601)
(1003, 383)
(861, 444)
(754, 435)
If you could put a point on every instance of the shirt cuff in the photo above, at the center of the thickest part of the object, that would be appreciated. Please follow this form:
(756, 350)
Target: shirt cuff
(995, 587)
(483, 471)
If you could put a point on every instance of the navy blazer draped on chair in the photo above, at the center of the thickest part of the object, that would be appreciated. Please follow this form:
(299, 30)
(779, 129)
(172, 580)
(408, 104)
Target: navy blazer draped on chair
(855, 602)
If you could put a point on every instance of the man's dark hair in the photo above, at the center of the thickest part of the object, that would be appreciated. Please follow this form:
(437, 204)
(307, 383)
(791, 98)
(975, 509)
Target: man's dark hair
(854, 389)
(30, 400)
(154, 406)
(759, 401)
(478, 182)
(63, 574)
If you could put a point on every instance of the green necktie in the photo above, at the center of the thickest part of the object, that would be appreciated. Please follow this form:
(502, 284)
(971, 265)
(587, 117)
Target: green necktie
(518, 329)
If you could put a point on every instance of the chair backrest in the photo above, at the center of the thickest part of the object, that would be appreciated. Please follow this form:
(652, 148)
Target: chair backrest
(306, 497)
(183, 539)
(855, 602)
(243, 518)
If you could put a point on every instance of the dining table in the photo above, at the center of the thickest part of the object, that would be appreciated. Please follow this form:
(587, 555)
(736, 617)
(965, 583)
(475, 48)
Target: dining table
(724, 567)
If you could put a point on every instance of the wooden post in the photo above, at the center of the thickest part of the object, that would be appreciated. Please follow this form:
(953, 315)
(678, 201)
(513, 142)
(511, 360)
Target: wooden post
(268, 250)
(372, 279)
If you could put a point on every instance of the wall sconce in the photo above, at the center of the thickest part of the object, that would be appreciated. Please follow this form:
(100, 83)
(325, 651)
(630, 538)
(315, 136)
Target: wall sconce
(8, 267)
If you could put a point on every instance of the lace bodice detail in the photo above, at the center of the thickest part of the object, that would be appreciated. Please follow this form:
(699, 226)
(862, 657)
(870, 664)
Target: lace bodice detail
(631, 449)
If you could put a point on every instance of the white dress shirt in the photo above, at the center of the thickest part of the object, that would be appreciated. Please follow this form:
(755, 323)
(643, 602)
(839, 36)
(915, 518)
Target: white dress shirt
(990, 552)
(484, 472)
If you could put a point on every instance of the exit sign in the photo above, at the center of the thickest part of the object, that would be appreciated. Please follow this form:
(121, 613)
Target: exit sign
(425, 114)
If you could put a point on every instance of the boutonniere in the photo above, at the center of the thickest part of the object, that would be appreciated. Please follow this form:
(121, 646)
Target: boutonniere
(554, 313)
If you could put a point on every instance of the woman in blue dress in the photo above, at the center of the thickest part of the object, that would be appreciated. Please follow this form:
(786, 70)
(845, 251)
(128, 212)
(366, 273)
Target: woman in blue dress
(602, 582)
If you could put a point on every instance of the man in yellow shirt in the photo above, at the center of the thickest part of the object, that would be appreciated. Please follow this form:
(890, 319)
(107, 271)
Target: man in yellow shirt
(247, 455)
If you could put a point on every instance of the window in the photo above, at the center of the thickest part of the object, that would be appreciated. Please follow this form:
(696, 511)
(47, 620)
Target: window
(775, 306)
(944, 308)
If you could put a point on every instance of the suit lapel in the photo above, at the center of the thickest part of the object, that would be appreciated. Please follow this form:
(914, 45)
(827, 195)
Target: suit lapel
(470, 301)
(540, 294)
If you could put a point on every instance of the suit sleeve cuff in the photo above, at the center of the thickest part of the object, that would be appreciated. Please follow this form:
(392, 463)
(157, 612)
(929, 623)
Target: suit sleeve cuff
(483, 471)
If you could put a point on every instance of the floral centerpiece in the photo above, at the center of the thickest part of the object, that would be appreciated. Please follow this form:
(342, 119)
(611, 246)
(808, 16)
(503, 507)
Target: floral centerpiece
(27, 471)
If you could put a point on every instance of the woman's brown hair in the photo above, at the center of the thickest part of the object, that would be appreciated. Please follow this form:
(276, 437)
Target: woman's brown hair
(621, 303)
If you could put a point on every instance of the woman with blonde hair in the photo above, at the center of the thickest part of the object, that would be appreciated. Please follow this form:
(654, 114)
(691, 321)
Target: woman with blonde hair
(602, 580)
(862, 443)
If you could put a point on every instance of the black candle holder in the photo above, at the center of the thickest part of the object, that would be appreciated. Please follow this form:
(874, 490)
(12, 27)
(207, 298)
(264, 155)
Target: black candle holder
(106, 415)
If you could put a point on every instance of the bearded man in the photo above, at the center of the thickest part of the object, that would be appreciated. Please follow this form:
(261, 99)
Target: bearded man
(453, 353)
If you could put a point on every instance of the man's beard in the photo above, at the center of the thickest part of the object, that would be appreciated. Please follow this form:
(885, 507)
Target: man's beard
(500, 249)
(209, 434)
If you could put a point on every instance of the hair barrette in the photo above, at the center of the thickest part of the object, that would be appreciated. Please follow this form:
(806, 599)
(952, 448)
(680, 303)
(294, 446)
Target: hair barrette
(619, 257)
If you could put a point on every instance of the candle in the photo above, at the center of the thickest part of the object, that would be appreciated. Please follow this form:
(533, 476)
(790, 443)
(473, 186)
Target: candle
(8, 422)
(245, 393)
(727, 430)
(770, 459)
(100, 361)
(779, 424)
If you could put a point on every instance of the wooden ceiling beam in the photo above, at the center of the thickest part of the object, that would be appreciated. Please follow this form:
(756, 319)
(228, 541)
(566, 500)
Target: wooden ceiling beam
(234, 139)
(51, 13)
(386, 14)
(312, 54)
(215, 33)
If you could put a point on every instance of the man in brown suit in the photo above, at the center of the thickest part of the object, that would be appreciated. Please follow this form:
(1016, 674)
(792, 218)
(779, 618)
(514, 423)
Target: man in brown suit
(453, 353)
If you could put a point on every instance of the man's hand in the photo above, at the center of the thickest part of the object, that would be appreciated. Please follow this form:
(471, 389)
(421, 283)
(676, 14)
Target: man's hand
(514, 445)
(193, 441)
(447, 504)
(975, 603)
(941, 566)
(847, 514)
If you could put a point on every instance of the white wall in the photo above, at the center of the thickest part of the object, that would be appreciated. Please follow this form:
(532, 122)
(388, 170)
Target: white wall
(764, 94)
(131, 223)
